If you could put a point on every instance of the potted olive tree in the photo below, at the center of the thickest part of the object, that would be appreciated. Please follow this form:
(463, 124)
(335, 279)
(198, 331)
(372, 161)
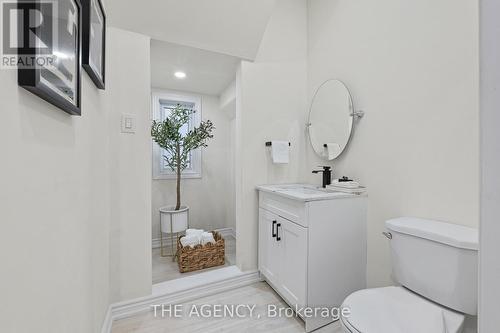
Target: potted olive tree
(167, 134)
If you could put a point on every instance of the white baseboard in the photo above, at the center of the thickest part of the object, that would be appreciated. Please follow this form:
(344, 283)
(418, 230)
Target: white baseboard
(108, 322)
(178, 292)
(225, 232)
(156, 243)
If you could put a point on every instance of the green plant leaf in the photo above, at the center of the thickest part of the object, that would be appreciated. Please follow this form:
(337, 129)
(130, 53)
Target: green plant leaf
(167, 134)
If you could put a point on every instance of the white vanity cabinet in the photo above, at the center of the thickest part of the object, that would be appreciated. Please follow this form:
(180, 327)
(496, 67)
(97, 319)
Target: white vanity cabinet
(312, 246)
(282, 255)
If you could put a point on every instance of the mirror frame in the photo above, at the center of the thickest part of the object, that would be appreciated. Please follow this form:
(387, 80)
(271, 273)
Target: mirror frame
(353, 115)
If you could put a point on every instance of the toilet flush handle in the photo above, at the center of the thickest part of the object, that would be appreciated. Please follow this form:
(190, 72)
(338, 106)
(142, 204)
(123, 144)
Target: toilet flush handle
(387, 234)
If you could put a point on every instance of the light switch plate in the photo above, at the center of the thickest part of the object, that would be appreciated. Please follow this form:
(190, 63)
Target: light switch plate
(128, 123)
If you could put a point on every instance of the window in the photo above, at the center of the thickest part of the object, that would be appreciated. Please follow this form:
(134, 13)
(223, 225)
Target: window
(163, 103)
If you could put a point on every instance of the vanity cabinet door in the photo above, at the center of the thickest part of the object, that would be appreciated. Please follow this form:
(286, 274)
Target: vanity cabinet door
(269, 248)
(292, 240)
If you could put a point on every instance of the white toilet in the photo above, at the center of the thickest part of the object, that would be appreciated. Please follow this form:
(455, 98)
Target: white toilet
(436, 264)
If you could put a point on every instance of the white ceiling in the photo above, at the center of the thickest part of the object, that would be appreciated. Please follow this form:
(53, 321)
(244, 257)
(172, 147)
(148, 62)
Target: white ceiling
(233, 27)
(207, 72)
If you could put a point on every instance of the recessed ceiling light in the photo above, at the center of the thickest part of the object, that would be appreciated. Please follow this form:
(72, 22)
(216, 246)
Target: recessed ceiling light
(180, 75)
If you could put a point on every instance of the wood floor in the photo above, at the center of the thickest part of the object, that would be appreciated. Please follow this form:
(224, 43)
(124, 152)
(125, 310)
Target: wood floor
(164, 269)
(259, 294)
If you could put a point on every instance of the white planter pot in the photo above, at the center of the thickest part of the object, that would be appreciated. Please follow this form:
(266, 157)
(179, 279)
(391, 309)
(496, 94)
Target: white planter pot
(173, 221)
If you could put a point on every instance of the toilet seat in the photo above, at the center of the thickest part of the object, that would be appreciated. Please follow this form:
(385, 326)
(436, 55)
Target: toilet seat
(348, 328)
(396, 310)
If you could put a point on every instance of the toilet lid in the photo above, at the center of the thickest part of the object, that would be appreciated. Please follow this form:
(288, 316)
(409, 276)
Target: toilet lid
(396, 310)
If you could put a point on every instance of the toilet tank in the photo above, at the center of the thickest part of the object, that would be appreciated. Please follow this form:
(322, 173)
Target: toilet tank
(437, 260)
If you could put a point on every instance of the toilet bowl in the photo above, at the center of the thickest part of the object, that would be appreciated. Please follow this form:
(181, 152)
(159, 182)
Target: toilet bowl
(436, 265)
(397, 310)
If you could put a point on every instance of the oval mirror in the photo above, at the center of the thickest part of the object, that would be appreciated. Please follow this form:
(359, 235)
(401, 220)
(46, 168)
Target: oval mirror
(331, 119)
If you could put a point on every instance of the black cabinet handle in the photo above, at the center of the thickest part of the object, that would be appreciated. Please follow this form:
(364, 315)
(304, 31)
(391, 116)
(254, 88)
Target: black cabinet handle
(278, 238)
(274, 232)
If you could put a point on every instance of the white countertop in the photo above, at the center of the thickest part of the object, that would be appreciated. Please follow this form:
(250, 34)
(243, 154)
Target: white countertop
(305, 192)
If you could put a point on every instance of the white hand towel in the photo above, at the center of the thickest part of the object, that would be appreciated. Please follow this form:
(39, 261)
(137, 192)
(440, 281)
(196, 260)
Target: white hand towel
(207, 237)
(280, 152)
(332, 150)
(198, 232)
(351, 184)
(191, 240)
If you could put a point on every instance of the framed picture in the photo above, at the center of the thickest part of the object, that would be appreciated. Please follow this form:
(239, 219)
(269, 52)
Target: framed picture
(57, 81)
(94, 41)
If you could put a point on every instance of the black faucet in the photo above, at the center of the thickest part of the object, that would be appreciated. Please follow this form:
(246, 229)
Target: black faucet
(327, 175)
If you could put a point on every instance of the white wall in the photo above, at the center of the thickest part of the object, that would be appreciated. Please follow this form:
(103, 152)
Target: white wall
(56, 200)
(489, 292)
(227, 102)
(227, 99)
(270, 104)
(54, 212)
(413, 68)
(209, 197)
(129, 93)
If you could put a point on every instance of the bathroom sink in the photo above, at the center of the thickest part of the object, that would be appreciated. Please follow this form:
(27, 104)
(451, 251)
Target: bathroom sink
(303, 192)
(301, 188)
(306, 191)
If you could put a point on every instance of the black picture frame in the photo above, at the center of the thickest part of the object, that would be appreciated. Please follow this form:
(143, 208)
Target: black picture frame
(31, 78)
(88, 6)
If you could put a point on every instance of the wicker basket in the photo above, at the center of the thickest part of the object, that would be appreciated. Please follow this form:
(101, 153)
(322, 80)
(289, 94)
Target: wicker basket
(201, 256)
